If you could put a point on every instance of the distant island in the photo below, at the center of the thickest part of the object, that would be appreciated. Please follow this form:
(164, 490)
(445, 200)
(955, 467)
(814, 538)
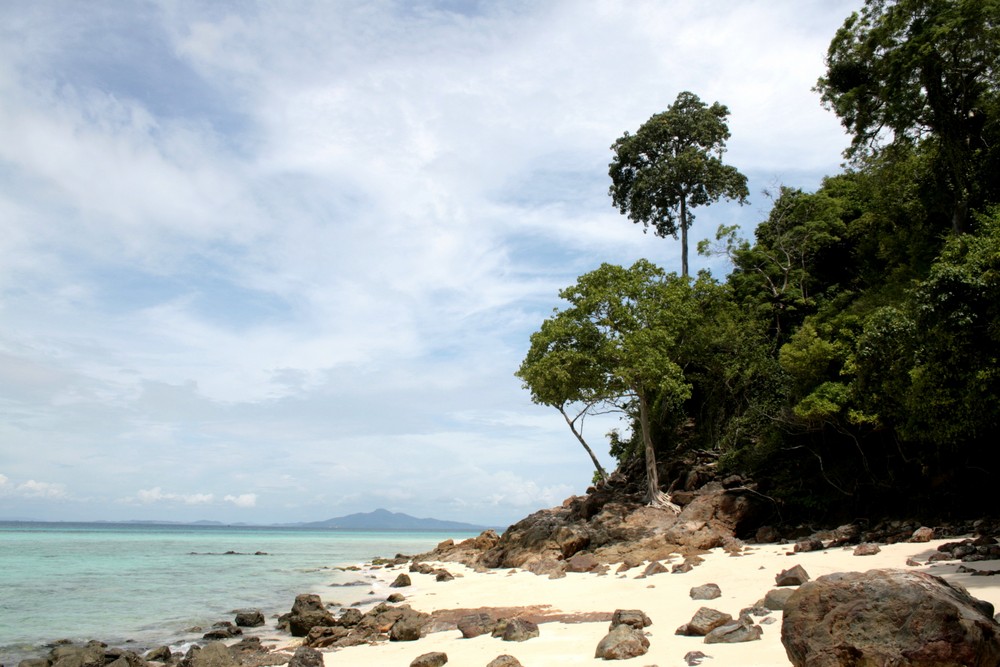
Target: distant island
(382, 519)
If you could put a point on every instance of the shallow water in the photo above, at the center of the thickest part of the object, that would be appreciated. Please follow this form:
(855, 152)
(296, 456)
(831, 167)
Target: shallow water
(147, 583)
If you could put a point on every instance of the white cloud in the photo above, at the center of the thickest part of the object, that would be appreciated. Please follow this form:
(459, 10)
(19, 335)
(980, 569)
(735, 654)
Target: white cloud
(34, 489)
(156, 495)
(242, 500)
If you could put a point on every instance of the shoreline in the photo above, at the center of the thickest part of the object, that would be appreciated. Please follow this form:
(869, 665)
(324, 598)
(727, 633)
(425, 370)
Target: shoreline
(573, 611)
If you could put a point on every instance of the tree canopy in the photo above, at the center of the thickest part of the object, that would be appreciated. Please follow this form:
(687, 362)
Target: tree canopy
(673, 164)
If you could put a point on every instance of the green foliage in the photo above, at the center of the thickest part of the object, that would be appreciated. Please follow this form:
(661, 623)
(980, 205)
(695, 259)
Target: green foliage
(672, 165)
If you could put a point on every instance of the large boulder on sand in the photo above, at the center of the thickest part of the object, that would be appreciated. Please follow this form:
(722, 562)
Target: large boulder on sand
(887, 618)
(307, 612)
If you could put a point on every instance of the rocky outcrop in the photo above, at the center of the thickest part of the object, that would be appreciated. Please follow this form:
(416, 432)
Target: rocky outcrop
(307, 612)
(888, 617)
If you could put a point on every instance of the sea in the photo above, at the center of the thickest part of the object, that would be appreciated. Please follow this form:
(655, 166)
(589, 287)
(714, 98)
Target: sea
(145, 585)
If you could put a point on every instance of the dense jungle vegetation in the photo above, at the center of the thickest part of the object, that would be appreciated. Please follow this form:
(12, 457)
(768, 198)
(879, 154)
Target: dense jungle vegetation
(849, 362)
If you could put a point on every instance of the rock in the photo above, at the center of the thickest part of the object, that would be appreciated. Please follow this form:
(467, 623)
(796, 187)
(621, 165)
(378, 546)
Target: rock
(704, 621)
(395, 597)
(519, 630)
(474, 625)
(795, 576)
(776, 598)
(34, 662)
(349, 618)
(693, 658)
(443, 575)
(307, 612)
(214, 654)
(582, 562)
(504, 661)
(223, 630)
(682, 568)
(734, 633)
(321, 636)
(766, 535)
(408, 627)
(922, 534)
(632, 617)
(249, 618)
(159, 654)
(656, 567)
(866, 549)
(402, 581)
(810, 544)
(306, 657)
(621, 643)
(706, 592)
(888, 617)
(435, 659)
(68, 655)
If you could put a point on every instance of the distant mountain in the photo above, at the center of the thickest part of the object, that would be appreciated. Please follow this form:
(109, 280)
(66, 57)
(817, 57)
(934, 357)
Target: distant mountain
(382, 519)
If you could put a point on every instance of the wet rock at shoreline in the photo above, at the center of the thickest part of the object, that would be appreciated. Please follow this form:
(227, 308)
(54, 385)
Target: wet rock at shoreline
(307, 612)
(249, 618)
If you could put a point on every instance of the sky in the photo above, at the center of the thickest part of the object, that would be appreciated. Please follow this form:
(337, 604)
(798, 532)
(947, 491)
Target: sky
(274, 262)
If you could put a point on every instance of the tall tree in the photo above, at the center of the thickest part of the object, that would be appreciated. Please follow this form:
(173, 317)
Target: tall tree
(902, 71)
(618, 344)
(672, 165)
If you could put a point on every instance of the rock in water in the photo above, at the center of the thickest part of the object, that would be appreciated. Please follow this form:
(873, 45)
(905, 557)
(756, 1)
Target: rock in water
(888, 617)
(249, 618)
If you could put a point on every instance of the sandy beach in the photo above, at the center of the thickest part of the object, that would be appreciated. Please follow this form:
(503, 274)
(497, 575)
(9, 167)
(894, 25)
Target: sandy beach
(744, 579)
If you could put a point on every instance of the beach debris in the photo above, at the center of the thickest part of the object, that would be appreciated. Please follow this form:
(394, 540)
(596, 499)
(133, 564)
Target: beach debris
(776, 598)
(305, 656)
(473, 625)
(402, 581)
(704, 621)
(634, 618)
(693, 658)
(922, 534)
(705, 592)
(621, 643)
(858, 614)
(434, 659)
(866, 549)
(793, 576)
(504, 661)
(249, 618)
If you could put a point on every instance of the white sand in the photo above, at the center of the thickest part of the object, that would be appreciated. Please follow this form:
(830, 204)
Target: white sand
(664, 597)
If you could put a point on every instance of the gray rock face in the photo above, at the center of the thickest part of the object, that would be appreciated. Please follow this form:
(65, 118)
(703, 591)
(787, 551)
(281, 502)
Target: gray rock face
(621, 643)
(888, 618)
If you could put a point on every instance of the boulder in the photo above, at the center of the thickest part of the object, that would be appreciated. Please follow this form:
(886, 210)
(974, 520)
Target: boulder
(888, 617)
(693, 658)
(402, 581)
(808, 544)
(519, 630)
(214, 654)
(435, 659)
(249, 618)
(706, 592)
(631, 617)
(307, 612)
(795, 576)
(656, 567)
(582, 562)
(395, 597)
(159, 654)
(504, 661)
(408, 626)
(443, 575)
(866, 549)
(734, 633)
(922, 534)
(223, 630)
(621, 643)
(776, 598)
(69, 655)
(704, 621)
(474, 625)
(306, 657)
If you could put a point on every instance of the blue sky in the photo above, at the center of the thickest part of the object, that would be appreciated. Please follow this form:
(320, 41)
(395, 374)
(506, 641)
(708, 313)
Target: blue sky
(278, 261)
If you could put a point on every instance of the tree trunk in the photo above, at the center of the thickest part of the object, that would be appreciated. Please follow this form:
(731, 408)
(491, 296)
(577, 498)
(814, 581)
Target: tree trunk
(579, 436)
(654, 496)
(684, 238)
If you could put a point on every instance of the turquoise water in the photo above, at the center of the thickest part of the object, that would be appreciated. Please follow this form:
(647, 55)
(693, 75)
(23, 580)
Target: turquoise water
(147, 584)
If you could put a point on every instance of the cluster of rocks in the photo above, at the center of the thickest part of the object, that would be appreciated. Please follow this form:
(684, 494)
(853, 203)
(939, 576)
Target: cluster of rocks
(248, 652)
(438, 658)
(319, 628)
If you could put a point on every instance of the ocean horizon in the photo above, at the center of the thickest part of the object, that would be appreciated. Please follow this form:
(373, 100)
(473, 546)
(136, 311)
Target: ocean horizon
(146, 584)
